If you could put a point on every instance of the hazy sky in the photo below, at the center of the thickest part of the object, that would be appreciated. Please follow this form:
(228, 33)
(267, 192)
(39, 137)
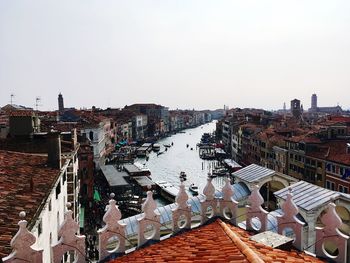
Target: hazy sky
(179, 53)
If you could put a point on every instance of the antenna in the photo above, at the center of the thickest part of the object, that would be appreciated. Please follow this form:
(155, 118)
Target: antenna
(37, 103)
(12, 96)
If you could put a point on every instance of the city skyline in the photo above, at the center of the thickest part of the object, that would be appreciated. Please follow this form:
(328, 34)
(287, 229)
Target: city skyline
(193, 54)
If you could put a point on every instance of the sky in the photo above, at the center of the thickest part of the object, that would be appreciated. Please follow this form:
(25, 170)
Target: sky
(179, 53)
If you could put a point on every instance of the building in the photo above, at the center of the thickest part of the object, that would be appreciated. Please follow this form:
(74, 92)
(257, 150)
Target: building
(23, 123)
(295, 108)
(314, 102)
(140, 127)
(60, 103)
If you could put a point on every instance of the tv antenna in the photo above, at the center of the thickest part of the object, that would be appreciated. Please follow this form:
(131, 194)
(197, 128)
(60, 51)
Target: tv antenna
(37, 103)
(12, 96)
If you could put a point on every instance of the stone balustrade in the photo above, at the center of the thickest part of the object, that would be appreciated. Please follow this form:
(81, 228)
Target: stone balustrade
(149, 225)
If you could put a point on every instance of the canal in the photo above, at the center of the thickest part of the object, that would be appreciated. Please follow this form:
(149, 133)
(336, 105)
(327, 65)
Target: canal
(178, 158)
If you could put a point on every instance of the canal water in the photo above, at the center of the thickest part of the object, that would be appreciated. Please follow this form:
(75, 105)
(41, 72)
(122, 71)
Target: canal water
(178, 158)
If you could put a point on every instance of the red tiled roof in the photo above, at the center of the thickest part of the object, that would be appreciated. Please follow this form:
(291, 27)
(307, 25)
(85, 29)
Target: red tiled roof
(16, 195)
(215, 242)
(21, 113)
(335, 151)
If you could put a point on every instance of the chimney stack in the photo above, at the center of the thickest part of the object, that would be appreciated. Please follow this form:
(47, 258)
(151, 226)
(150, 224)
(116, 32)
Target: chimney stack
(54, 149)
(74, 138)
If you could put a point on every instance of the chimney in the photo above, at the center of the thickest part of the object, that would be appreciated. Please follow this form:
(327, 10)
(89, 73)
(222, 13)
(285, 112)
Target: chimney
(54, 149)
(74, 138)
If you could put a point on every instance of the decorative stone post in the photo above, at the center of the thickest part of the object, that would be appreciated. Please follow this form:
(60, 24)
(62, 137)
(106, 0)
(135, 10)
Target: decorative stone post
(228, 204)
(289, 220)
(21, 244)
(112, 229)
(209, 202)
(330, 233)
(182, 210)
(254, 209)
(150, 218)
(69, 241)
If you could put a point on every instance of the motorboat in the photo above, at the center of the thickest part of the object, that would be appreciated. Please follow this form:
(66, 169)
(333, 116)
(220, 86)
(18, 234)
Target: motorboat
(194, 189)
(220, 171)
(183, 176)
(156, 147)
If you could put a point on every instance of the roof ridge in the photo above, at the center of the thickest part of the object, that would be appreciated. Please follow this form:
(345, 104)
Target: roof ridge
(244, 248)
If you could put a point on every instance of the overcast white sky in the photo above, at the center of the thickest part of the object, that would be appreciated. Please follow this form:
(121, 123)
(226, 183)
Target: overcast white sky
(179, 53)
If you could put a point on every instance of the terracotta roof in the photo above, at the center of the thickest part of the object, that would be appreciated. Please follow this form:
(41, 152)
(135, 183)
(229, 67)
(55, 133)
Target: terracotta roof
(335, 151)
(215, 242)
(21, 113)
(16, 194)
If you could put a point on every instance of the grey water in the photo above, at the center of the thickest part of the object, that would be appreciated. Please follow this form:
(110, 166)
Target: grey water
(178, 158)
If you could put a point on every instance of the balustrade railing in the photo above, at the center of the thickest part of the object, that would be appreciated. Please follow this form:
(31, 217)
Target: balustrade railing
(149, 225)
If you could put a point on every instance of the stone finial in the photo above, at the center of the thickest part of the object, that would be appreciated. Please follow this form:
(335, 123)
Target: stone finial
(227, 191)
(182, 210)
(69, 240)
(227, 203)
(112, 229)
(209, 203)
(331, 233)
(254, 209)
(21, 245)
(151, 218)
(289, 220)
(209, 190)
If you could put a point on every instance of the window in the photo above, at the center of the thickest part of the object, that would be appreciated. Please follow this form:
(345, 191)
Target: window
(40, 228)
(58, 189)
(64, 177)
(330, 185)
(50, 205)
(343, 189)
(319, 164)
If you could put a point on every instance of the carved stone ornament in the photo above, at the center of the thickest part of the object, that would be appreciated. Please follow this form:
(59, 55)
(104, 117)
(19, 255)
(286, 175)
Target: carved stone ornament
(112, 229)
(149, 218)
(228, 204)
(182, 210)
(69, 241)
(331, 233)
(21, 244)
(209, 204)
(254, 209)
(289, 220)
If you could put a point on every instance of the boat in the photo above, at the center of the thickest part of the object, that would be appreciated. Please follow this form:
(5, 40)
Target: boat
(167, 190)
(187, 145)
(194, 189)
(211, 175)
(156, 147)
(220, 171)
(167, 145)
(183, 176)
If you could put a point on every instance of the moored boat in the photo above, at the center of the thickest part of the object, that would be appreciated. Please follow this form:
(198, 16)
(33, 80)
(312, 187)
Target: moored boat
(156, 147)
(194, 189)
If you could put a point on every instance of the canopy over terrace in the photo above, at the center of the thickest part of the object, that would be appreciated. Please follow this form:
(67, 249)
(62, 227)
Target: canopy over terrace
(309, 197)
(258, 175)
(115, 178)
